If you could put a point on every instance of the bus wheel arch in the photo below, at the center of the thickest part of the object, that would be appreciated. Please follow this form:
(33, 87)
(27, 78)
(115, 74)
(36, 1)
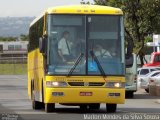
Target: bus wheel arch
(36, 105)
(32, 88)
(42, 92)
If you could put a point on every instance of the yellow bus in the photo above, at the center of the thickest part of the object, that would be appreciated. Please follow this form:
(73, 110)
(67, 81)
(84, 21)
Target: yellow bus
(76, 57)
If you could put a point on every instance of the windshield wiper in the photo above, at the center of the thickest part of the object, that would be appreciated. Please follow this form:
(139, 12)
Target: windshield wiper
(76, 63)
(98, 63)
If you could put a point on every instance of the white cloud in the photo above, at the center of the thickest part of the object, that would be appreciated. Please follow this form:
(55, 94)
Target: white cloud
(30, 7)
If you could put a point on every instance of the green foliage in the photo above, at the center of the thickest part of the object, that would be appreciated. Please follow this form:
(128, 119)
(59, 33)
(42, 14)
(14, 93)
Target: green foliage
(13, 69)
(8, 39)
(24, 37)
(83, 2)
(148, 39)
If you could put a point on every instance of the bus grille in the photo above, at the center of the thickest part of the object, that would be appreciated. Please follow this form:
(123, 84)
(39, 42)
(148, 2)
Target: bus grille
(86, 83)
(96, 83)
(76, 83)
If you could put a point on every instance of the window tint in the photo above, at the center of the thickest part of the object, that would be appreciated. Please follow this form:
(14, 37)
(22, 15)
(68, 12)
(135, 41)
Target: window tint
(35, 32)
(144, 72)
(1, 48)
(14, 47)
(157, 68)
(18, 47)
(10, 47)
(155, 74)
(152, 70)
(157, 58)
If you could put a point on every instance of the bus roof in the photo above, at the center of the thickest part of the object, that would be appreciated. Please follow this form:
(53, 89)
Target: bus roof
(84, 9)
(80, 9)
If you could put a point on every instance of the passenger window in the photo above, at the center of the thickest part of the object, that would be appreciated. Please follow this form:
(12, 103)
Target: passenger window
(153, 70)
(157, 58)
(144, 72)
(157, 68)
(155, 74)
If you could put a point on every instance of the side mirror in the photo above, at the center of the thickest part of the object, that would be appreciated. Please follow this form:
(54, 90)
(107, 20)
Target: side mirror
(129, 61)
(42, 45)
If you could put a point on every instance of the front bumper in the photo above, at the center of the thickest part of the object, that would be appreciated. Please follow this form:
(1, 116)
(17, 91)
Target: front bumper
(72, 95)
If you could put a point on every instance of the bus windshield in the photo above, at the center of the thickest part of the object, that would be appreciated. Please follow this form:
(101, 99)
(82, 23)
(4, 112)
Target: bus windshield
(71, 39)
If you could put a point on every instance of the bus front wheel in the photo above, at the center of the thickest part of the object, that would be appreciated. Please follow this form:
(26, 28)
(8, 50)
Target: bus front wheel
(111, 108)
(49, 107)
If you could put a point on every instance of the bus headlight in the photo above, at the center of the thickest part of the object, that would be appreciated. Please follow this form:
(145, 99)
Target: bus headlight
(115, 84)
(55, 84)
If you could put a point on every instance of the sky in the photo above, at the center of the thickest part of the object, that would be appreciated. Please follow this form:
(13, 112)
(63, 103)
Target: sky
(20, 8)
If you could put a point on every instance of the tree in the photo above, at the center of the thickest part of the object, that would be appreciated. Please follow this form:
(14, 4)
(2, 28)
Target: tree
(142, 19)
(3, 39)
(24, 37)
(84, 2)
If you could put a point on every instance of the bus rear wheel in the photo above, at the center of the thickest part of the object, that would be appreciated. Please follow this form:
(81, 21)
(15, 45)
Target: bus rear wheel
(95, 106)
(49, 107)
(111, 108)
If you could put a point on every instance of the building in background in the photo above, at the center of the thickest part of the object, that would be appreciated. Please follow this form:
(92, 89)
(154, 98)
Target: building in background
(13, 51)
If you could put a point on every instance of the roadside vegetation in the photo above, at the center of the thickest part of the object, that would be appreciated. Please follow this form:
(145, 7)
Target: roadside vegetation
(13, 69)
(21, 37)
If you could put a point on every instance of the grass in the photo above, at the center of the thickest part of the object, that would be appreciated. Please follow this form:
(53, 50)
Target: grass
(13, 69)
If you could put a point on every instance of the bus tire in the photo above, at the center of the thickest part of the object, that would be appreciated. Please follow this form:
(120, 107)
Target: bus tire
(111, 108)
(95, 106)
(129, 94)
(49, 107)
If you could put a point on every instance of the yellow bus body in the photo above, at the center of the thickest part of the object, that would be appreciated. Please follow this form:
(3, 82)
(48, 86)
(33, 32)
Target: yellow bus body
(85, 9)
(71, 94)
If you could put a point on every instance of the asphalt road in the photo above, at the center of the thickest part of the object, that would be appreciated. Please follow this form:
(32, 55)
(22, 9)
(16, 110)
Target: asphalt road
(15, 105)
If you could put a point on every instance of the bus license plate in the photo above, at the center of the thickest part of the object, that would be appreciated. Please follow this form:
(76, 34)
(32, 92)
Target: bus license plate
(85, 93)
